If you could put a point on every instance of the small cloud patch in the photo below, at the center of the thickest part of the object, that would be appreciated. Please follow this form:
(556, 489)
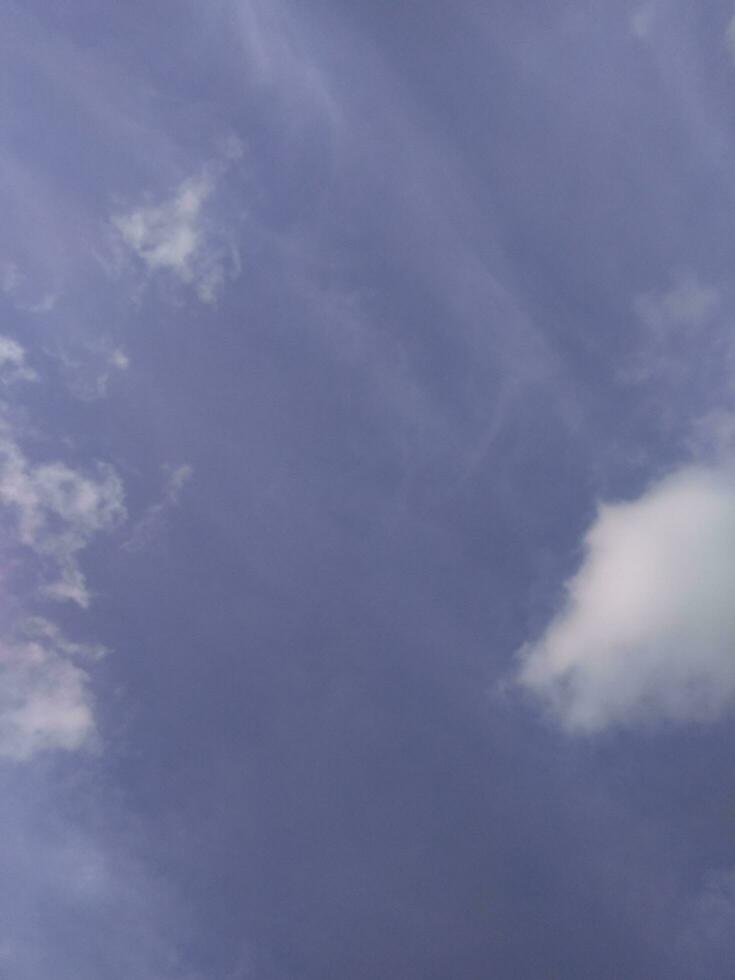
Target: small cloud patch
(57, 511)
(179, 236)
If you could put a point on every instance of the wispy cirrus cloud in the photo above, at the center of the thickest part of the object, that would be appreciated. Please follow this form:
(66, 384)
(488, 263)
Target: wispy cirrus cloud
(23, 296)
(89, 371)
(646, 631)
(674, 324)
(680, 362)
(155, 515)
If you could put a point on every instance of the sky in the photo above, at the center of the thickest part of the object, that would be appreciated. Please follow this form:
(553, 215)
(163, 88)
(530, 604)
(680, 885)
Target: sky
(367, 490)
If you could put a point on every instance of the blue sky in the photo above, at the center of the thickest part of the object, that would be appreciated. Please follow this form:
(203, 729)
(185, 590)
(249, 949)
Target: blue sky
(367, 482)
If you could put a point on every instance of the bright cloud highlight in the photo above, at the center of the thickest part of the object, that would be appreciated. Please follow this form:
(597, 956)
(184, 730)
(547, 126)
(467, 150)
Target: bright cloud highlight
(647, 631)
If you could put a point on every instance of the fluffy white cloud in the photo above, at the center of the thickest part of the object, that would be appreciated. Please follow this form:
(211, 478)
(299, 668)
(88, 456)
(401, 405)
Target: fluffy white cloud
(45, 701)
(58, 510)
(176, 237)
(647, 630)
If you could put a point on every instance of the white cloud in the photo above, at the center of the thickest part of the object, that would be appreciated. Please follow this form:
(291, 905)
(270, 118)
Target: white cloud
(178, 477)
(88, 373)
(45, 304)
(176, 236)
(647, 630)
(42, 630)
(167, 236)
(58, 511)
(14, 284)
(45, 701)
(13, 365)
(119, 359)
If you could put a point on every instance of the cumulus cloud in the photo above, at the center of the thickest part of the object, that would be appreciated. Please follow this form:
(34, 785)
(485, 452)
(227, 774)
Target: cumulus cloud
(176, 236)
(57, 511)
(647, 630)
